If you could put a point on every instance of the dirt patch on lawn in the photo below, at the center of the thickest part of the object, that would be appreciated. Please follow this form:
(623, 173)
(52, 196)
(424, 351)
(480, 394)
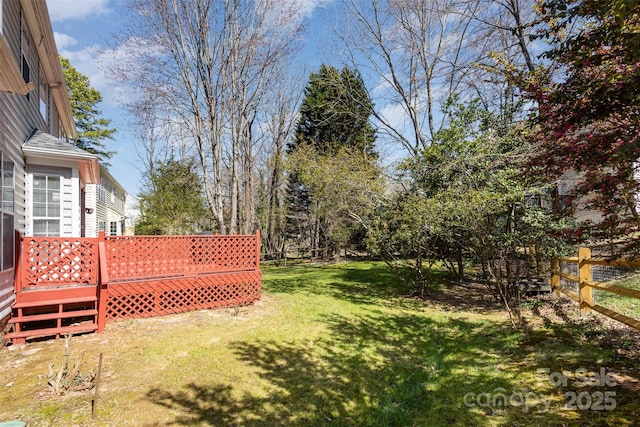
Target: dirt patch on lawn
(549, 311)
(554, 319)
(468, 296)
(542, 311)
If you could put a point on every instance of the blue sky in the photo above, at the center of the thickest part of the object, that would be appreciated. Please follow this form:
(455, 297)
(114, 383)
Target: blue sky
(84, 31)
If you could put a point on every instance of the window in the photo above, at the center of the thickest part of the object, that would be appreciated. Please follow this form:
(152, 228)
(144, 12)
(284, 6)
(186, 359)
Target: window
(113, 228)
(25, 51)
(101, 191)
(26, 72)
(7, 211)
(44, 97)
(102, 226)
(46, 205)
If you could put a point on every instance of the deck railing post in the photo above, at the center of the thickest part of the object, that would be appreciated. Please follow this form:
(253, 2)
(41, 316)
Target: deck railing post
(103, 282)
(17, 279)
(584, 274)
(555, 276)
(257, 250)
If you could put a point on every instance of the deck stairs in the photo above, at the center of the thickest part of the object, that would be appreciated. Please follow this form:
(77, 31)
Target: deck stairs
(53, 312)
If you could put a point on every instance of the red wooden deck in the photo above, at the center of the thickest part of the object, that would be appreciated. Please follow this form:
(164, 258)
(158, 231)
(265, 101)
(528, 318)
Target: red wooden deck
(67, 285)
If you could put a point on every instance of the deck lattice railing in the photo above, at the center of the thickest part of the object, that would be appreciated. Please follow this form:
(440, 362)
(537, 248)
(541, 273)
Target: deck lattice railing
(144, 276)
(54, 261)
(140, 257)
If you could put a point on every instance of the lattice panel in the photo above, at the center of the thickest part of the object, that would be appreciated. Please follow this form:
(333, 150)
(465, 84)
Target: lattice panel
(58, 260)
(227, 253)
(178, 295)
(135, 257)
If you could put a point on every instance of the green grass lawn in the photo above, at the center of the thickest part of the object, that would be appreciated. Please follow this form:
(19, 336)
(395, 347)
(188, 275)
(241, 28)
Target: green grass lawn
(625, 305)
(334, 345)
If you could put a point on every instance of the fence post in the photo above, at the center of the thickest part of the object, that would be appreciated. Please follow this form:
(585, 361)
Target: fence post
(555, 276)
(584, 274)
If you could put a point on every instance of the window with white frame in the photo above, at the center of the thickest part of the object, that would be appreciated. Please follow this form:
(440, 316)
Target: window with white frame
(7, 208)
(46, 205)
(101, 191)
(113, 228)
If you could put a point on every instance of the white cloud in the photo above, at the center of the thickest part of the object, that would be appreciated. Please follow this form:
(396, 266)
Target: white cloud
(87, 61)
(63, 40)
(308, 6)
(396, 116)
(95, 63)
(61, 10)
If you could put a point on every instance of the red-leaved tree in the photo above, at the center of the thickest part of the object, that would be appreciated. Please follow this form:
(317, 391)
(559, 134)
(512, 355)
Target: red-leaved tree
(588, 112)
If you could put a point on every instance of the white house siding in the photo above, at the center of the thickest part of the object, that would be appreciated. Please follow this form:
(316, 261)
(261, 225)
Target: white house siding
(10, 145)
(6, 293)
(11, 25)
(26, 112)
(565, 185)
(91, 222)
(18, 117)
(110, 205)
(106, 202)
(132, 210)
(568, 182)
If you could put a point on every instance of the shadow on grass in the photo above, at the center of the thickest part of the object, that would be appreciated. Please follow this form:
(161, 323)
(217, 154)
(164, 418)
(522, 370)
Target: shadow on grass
(382, 370)
(356, 282)
(397, 367)
(378, 369)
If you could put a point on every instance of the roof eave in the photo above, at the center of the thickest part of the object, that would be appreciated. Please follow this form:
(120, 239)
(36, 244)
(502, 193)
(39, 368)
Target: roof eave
(57, 154)
(88, 163)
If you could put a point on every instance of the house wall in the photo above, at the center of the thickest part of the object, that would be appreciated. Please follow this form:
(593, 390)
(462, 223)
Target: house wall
(132, 210)
(108, 200)
(110, 205)
(91, 221)
(19, 115)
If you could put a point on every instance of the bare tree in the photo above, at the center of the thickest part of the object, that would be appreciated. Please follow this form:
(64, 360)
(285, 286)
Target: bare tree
(421, 52)
(413, 48)
(208, 66)
(501, 41)
(278, 121)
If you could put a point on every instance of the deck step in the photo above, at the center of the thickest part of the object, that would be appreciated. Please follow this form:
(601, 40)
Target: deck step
(52, 313)
(88, 327)
(53, 316)
(45, 303)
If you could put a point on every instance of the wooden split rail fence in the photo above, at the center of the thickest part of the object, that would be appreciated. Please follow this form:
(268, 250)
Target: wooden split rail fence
(66, 285)
(586, 284)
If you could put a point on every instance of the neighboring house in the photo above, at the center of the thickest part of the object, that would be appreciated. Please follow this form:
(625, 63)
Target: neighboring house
(105, 208)
(44, 178)
(132, 208)
(564, 189)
